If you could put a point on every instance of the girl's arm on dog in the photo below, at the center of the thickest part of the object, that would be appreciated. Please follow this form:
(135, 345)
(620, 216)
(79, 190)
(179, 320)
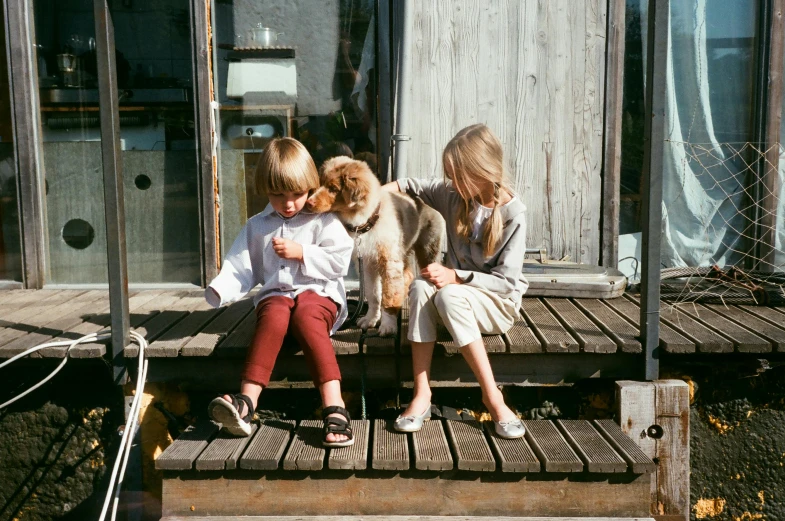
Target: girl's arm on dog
(330, 254)
(433, 192)
(392, 186)
(236, 277)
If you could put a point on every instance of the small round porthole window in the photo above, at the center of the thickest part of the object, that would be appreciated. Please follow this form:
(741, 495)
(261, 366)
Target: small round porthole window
(142, 182)
(78, 234)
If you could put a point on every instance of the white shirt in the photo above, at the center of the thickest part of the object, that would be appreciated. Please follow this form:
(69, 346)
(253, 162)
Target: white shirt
(327, 252)
(479, 215)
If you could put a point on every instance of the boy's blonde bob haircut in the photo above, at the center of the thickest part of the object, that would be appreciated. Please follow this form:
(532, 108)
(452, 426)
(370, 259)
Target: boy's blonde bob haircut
(286, 166)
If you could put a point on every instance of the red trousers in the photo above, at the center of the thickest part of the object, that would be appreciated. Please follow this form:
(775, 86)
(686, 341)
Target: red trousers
(308, 319)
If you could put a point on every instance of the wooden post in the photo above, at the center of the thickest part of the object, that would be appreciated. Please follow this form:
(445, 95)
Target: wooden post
(656, 415)
(611, 170)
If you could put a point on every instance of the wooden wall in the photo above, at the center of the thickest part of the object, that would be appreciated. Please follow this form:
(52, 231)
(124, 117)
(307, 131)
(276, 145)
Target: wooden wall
(533, 71)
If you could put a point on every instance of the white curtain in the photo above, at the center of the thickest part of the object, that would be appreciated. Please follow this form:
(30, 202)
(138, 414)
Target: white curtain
(705, 164)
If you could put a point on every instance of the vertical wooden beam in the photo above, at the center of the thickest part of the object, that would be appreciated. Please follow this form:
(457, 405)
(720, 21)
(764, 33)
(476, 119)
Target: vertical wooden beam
(654, 140)
(26, 117)
(384, 88)
(656, 415)
(769, 164)
(114, 201)
(611, 169)
(201, 31)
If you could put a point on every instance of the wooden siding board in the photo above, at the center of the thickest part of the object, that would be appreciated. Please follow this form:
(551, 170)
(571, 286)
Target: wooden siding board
(390, 448)
(597, 454)
(620, 330)
(513, 455)
(265, 450)
(306, 451)
(354, 457)
(551, 333)
(431, 451)
(670, 340)
(590, 337)
(551, 448)
(182, 453)
(469, 446)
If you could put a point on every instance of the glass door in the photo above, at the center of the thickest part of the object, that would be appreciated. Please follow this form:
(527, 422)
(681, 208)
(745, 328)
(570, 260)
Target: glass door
(153, 55)
(10, 240)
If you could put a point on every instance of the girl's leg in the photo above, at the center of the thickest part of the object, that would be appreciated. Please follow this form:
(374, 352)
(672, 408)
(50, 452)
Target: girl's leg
(423, 317)
(475, 355)
(272, 322)
(467, 313)
(422, 354)
(312, 320)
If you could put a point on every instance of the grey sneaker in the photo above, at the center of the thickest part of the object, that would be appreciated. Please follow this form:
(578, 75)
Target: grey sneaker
(412, 423)
(510, 429)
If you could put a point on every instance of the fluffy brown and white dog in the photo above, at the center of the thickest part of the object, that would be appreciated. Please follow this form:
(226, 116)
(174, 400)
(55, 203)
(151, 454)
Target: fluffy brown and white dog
(387, 227)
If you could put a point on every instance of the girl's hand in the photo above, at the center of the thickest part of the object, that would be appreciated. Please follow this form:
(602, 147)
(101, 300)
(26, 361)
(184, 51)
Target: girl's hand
(287, 249)
(438, 275)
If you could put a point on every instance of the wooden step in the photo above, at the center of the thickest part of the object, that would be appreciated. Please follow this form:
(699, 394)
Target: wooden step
(565, 446)
(401, 518)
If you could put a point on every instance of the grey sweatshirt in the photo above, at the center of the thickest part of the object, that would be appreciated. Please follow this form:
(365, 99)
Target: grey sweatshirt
(501, 272)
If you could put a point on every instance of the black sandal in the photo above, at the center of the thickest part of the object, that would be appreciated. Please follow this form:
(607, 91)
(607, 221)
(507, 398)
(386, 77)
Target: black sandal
(337, 426)
(228, 415)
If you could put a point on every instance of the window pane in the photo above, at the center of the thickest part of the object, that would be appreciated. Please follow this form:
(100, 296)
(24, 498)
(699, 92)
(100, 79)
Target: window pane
(291, 68)
(10, 241)
(153, 56)
(709, 113)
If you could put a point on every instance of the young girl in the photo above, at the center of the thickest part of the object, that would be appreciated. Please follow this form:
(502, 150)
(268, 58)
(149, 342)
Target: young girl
(480, 292)
(299, 260)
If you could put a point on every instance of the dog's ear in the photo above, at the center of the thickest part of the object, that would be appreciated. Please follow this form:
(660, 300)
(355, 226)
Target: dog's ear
(355, 190)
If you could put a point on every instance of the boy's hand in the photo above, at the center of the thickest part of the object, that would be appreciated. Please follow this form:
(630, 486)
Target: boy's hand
(287, 249)
(438, 275)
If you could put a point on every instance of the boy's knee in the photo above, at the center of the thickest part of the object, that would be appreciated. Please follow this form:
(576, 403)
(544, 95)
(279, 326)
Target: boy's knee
(307, 316)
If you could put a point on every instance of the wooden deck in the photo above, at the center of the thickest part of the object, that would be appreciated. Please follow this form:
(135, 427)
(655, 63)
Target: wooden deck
(183, 330)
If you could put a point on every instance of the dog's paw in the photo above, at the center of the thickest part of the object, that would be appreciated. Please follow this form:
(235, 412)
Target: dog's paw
(387, 329)
(368, 321)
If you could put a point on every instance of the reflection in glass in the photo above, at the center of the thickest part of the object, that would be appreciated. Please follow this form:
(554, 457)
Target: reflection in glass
(10, 240)
(291, 68)
(159, 158)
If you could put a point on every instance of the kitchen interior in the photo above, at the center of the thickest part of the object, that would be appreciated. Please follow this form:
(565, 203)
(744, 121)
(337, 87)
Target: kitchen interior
(294, 68)
(158, 142)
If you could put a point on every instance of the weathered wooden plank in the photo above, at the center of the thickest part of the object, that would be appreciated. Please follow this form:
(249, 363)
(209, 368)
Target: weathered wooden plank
(715, 317)
(470, 448)
(399, 518)
(551, 333)
(620, 330)
(551, 448)
(306, 451)
(180, 455)
(169, 343)
(373, 345)
(378, 493)
(265, 450)
(493, 343)
(670, 340)
(236, 343)
(589, 336)
(637, 461)
(513, 455)
(74, 314)
(521, 339)
(673, 449)
(597, 454)
(140, 306)
(431, 451)
(223, 452)
(33, 317)
(767, 322)
(354, 457)
(707, 340)
(169, 319)
(204, 342)
(390, 448)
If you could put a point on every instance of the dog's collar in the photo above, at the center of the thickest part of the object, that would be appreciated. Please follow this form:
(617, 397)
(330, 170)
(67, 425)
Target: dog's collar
(359, 230)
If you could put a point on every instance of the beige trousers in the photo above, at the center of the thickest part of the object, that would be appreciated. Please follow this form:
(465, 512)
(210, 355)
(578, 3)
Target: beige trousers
(467, 312)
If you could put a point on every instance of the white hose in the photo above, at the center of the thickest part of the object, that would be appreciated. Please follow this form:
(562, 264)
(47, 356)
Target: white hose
(133, 417)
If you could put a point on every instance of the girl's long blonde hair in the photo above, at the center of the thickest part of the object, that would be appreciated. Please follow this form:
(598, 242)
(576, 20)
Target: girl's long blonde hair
(473, 160)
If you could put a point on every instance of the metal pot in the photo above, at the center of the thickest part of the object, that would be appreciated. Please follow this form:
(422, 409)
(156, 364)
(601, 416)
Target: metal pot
(264, 36)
